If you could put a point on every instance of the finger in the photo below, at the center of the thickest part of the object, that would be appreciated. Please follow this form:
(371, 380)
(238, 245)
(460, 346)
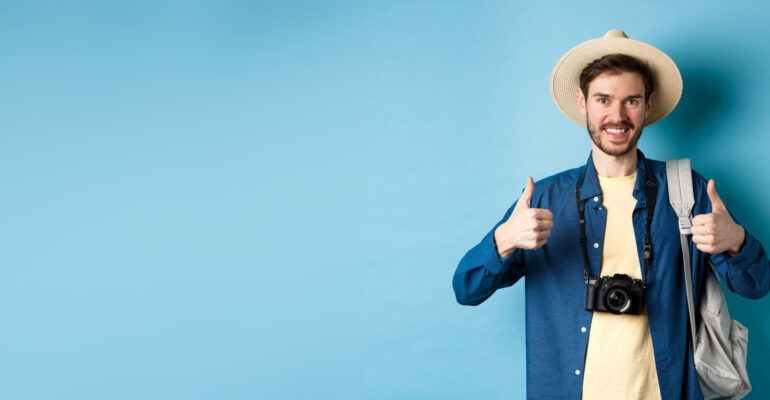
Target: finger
(697, 239)
(703, 239)
(543, 214)
(701, 220)
(544, 225)
(708, 248)
(708, 240)
(705, 248)
(526, 197)
(698, 230)
(716, 201)
(540, 233)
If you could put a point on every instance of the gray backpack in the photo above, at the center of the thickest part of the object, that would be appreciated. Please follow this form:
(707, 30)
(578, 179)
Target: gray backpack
(719, 342)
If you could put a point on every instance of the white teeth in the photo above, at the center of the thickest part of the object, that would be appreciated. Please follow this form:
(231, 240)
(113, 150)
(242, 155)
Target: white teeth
(616, 131)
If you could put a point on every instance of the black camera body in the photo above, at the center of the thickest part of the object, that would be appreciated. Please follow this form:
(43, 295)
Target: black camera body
(618, 294)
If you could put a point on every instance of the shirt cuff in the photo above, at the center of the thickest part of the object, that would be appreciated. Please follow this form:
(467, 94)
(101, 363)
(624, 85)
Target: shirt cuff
(492, 260)
(740, 261)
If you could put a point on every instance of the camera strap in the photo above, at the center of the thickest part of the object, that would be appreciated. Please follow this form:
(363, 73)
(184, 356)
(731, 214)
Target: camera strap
(651, 192)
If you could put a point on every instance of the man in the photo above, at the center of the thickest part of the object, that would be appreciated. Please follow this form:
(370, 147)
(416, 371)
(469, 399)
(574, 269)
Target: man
(613, 347)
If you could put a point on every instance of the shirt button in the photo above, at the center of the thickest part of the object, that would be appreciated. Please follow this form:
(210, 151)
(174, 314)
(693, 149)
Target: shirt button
(596, 245)
(583, 329)
(577, 372)
(596, 198)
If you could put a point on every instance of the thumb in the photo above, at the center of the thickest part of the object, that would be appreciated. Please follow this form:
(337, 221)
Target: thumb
(526, 197)
(716, 202)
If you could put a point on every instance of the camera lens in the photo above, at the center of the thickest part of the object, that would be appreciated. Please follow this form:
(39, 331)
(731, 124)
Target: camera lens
(617, 300)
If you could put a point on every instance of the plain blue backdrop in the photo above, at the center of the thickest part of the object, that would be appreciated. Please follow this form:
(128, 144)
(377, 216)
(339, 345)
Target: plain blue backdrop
(252, 200)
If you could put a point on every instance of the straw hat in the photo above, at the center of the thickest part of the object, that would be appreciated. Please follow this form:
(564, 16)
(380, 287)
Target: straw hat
(565, 77)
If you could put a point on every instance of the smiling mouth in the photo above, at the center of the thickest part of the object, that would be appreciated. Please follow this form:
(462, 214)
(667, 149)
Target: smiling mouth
(616, 133)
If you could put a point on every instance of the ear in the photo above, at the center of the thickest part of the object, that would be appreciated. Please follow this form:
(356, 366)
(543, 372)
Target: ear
(648, 106)
(581, 100)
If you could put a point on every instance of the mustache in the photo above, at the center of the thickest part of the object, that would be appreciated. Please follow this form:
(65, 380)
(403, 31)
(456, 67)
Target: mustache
(616, 125)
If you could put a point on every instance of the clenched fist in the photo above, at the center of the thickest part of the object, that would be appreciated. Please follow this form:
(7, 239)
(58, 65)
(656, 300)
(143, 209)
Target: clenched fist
(526, 228)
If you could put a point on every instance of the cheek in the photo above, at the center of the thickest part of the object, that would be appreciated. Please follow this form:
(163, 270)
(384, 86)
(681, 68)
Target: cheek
(595, 113)
(637, 115)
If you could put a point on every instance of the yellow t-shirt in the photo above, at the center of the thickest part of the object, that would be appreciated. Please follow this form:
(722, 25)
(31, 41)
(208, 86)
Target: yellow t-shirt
(619, 360)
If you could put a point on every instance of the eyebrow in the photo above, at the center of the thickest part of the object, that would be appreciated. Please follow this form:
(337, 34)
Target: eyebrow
(633, 96)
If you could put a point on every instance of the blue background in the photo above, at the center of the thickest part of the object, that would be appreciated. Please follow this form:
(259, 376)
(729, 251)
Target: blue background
(242, 200)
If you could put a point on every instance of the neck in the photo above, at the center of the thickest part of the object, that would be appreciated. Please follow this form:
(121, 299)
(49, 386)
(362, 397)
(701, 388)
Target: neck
(614, 166)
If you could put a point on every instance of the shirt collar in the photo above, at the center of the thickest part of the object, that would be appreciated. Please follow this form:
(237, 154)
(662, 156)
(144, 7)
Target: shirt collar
(591, 186)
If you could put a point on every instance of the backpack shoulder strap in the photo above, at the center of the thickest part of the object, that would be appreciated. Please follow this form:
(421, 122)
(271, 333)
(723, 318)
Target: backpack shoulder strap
(680, 194)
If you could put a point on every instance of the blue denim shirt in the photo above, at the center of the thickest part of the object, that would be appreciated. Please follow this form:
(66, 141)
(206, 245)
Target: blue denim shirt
(555, 289)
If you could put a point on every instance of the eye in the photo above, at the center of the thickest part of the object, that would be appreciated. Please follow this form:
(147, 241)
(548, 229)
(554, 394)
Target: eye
(632, 102)
(602, 100)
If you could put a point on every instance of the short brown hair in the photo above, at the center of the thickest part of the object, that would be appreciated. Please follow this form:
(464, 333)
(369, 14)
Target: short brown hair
(616, 64)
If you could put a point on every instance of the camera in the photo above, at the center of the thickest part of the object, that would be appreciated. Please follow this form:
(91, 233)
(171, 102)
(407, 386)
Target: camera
(618, 294)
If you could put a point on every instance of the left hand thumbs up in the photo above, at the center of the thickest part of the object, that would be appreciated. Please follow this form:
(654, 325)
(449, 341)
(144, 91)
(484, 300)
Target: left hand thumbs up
(717, 232)
(716, 203)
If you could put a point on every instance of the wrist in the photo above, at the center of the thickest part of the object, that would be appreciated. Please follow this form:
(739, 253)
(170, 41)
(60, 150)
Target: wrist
(502, 250)
(738, 245)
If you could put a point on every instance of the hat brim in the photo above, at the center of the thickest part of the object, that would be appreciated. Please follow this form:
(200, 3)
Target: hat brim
(565, 78)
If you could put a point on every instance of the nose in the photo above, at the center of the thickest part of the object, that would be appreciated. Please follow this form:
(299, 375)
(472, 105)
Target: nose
(616, 112)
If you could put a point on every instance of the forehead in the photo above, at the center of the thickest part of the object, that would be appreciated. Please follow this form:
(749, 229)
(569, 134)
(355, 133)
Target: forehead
(624, 83)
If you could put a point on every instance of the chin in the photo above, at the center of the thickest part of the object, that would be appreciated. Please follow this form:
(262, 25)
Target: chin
(615, 149)
(616, 152)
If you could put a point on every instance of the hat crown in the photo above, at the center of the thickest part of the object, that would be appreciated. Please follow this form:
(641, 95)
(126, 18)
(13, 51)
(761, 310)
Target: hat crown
(616, 33)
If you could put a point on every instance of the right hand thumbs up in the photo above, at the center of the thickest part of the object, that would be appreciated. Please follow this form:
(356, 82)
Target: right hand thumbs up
(526, 228)
(526, 198)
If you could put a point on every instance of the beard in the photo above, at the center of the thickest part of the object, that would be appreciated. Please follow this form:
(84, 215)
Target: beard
(596, 137)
